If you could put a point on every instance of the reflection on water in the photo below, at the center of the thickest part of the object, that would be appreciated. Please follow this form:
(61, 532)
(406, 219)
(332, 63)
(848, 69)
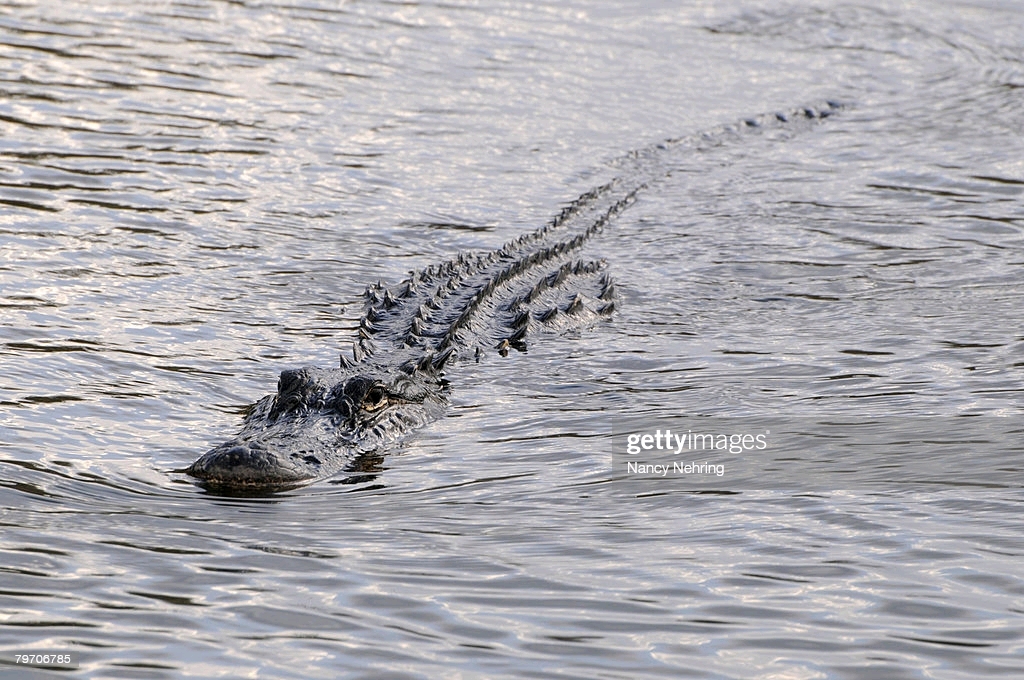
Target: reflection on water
(193, 197)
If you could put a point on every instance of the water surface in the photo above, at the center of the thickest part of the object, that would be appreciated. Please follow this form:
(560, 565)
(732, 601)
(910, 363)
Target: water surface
(194, 195)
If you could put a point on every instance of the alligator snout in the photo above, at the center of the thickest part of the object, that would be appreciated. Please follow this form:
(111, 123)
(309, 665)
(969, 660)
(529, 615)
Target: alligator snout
(245, 464)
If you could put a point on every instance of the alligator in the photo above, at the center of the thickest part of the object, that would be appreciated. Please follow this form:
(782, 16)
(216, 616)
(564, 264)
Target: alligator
(323, 421)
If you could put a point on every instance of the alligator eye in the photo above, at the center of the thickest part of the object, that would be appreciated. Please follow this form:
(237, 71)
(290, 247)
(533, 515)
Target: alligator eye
(375, 398)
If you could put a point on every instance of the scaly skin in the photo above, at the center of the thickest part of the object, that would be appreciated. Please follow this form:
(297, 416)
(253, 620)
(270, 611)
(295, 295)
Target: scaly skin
(322, 421)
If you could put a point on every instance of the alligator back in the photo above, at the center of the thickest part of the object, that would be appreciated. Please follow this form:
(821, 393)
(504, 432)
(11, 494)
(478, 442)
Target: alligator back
(494, 300)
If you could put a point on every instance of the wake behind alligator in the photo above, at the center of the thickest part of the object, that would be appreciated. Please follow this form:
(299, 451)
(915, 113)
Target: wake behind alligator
(323, 421)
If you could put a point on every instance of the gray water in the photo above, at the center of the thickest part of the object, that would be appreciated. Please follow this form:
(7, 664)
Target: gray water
(193, 196)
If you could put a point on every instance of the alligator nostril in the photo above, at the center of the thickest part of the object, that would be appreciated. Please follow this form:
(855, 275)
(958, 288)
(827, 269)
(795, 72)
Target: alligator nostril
(235, 455)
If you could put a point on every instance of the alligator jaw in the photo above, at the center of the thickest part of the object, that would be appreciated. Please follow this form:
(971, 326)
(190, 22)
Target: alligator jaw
(241, 465)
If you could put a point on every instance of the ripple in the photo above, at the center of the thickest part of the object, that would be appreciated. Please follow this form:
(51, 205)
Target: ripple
(195, 195)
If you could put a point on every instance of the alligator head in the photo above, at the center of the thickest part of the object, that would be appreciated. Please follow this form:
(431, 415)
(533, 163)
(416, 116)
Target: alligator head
(322, 420)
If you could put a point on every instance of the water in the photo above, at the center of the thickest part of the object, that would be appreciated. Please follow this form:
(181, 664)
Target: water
(194, 195)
